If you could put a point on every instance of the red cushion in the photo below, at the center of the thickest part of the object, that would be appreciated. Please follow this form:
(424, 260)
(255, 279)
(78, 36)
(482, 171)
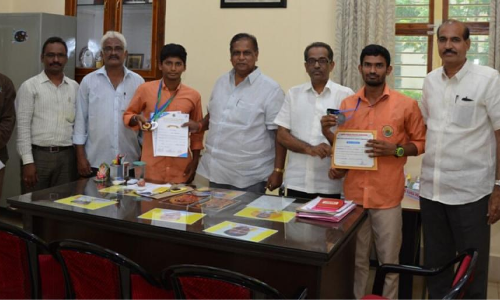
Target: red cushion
(141, 289)
(15, 282)
(92, 277)
(462, 270)
(205, 288)
(52, 277)
(373, 297)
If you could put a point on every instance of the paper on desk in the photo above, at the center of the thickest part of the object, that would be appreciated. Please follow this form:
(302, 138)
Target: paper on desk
(170, 139)
(271, 202)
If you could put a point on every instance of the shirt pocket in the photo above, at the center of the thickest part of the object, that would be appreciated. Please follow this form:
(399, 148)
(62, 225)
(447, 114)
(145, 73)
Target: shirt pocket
(463, 113)
(242, 113)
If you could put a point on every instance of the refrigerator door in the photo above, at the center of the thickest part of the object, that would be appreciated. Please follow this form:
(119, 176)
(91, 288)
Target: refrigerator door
(21, 39)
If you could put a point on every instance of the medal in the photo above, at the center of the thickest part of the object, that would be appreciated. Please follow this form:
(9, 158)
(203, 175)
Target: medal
(340, 119)
(154, 125)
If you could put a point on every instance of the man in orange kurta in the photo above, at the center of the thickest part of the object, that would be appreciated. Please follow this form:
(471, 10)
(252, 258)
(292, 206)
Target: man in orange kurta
(163, 169)
(400, 132)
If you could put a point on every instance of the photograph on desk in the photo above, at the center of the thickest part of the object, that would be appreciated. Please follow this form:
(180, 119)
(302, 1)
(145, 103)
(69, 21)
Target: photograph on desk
(241, 231)
(266, 214)
(86, 202)
(214, 204)
(172, 216)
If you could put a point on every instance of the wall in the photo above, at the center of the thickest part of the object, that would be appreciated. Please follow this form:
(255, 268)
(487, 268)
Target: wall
(282, 35)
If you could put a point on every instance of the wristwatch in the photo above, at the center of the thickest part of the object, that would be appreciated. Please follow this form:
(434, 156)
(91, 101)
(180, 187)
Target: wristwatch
(497, 182)
(400, 151)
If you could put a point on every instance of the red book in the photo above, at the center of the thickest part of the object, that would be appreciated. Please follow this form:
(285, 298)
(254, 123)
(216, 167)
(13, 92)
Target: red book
(329, 204)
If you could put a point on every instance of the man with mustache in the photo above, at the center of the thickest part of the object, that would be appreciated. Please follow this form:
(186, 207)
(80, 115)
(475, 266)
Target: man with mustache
(45, 119)
(400, 132)
(241, 149)
(103, 97)
(299, 127)
(460, 181)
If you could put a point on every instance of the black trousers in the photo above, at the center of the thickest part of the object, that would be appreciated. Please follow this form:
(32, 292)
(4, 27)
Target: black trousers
(299, 194)
(449, 229)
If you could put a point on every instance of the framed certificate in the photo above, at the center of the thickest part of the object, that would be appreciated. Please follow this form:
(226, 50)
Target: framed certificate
(349, 149)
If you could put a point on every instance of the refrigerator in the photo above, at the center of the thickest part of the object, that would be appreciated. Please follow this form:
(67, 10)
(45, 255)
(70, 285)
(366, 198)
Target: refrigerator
(21, 39)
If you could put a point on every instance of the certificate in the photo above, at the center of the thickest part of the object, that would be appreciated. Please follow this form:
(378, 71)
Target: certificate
(349, 150)
(170, 139)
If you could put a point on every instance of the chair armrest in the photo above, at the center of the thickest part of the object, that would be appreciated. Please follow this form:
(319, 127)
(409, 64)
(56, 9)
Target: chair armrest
(300, 294)
(383, 270)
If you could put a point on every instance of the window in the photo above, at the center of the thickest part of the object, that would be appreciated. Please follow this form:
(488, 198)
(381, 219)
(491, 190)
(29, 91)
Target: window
(476, 13)
(413, 57)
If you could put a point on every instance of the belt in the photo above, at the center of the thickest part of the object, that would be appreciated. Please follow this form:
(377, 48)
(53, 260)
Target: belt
(52, 149)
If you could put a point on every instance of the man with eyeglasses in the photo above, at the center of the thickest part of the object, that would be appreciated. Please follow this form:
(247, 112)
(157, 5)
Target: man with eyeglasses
(300, 129)
(241, 148)
(400, 132)
(103, 97)
(45, 120)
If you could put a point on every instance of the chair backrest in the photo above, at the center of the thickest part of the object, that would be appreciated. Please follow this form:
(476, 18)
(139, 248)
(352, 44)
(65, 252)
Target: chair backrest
(93, 272)
(204, 282)
(19, 267)
(464, 274)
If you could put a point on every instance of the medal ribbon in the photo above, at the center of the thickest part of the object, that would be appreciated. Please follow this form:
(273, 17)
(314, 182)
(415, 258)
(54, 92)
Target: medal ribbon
(352, 109)
(159, 111)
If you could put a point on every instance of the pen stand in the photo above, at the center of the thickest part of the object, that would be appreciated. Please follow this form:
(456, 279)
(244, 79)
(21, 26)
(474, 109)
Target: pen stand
(116, 172)
(139, 169)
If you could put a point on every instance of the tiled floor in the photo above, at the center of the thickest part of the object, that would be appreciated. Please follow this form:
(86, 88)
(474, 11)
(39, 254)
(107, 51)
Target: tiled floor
(493, 290)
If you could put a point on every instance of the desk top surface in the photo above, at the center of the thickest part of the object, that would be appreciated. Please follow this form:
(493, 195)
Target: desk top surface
(313, 239)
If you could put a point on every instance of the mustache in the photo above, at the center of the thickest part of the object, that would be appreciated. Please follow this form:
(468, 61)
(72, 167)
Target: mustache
(113, 56)
(56, 64)
(449, 51)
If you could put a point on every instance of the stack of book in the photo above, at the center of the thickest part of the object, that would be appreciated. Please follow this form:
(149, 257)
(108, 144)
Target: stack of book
(326, 209)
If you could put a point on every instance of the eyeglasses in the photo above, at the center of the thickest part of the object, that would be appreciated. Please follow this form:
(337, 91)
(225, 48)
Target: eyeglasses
(311, 62)
(109, 49)
(53, 55)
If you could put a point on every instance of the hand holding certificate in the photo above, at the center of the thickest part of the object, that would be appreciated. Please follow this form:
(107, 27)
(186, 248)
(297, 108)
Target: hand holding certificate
(349, 150)
(171, 139)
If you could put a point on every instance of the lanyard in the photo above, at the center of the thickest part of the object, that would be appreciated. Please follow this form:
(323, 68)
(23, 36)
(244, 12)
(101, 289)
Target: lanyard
(349, 110)
(159, 111)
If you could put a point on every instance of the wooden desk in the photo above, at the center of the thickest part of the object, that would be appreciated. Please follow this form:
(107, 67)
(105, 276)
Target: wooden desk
(316, 255)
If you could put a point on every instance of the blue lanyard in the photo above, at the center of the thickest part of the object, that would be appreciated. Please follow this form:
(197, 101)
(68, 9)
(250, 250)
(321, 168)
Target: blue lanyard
(159, 111)
(352, 109)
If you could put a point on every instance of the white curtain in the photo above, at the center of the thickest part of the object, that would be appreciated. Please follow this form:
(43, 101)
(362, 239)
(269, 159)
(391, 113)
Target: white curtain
(358, 24)
(494, 55)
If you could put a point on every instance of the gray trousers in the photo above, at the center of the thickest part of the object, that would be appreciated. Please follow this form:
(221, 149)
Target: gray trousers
(449, 229)
(53, 169)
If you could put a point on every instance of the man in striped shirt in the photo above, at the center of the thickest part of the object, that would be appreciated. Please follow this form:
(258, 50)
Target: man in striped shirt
(46, 115)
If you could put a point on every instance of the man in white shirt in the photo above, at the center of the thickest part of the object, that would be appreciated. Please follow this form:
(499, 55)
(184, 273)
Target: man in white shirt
(103, 97)
(241, 145)
(299, 128)
(45, 119)
(460, 182)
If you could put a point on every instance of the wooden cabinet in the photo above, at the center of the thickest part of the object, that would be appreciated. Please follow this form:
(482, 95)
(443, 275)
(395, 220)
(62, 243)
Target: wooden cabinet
(142, 22)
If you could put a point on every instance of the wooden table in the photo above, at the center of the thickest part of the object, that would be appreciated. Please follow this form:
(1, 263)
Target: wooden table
(303, 253)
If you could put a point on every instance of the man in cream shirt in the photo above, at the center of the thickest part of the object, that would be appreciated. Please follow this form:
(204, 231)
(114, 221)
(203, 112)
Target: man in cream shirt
(299, 128)
(45, 119)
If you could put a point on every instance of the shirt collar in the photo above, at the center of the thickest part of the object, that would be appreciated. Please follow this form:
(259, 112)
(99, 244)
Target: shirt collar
(164, 86)
(44, 78)
(461, 73)
(102, 70)
(251, 77)
(328, 86)
(385, 95)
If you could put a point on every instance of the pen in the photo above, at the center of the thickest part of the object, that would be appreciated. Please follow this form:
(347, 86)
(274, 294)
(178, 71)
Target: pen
(456, 98)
